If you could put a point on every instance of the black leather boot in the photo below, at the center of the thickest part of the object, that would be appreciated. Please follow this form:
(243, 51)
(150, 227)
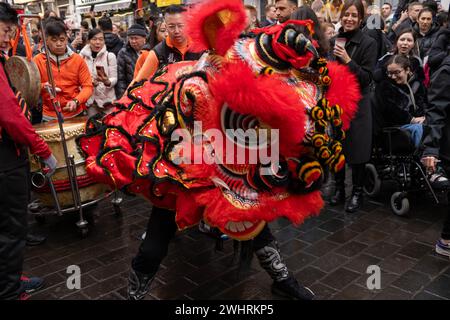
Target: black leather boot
(290, 288)
(284, 284)
(356, 200)
(338, 197)
(138, 285)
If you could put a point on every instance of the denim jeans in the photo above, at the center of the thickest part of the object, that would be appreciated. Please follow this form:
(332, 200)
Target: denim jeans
(416, 131)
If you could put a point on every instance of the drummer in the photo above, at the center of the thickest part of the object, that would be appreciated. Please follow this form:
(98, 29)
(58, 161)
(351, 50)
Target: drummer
(16, 135)
(72, 78)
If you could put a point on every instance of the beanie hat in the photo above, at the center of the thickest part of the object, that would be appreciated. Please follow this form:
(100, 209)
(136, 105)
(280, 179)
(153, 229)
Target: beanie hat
(137, 30)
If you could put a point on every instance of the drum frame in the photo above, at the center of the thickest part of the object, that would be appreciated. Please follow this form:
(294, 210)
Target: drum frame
(82, 224)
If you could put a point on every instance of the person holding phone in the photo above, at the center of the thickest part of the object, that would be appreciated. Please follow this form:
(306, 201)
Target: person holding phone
(355, 50)
(103, 68)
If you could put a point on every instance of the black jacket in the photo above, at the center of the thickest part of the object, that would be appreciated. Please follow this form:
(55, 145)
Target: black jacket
(168, 55)
(384, 45)
(360, 47)
(126, 61)
(440, 49)
(394, 106)
(113, 43)
(406, 24)
(437, 140)
(425, 42)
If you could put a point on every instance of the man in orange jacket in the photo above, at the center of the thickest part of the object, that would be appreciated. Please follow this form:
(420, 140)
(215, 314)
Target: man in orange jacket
(175, 48)
(71, 74)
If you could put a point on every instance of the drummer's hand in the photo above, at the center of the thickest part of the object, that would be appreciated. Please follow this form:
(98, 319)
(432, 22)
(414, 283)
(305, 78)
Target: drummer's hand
(50, 163)
(95, 82)
(70, 106)
(48, 87)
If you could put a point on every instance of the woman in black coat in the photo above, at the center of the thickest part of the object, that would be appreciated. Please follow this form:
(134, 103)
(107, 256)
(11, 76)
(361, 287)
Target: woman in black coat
(360, 56)
(426, 31)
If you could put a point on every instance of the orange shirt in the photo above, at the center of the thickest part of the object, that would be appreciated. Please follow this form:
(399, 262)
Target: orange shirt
(140, 62)
(151, 63)
(72, 76)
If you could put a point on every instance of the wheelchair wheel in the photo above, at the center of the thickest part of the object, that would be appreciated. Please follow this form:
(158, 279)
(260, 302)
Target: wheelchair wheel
(399, 204)
(372, 184)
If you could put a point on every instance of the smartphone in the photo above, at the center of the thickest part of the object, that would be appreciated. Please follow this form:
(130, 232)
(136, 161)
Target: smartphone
(100, 70)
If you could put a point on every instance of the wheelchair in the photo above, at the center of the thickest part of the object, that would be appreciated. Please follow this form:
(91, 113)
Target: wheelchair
(395, 158)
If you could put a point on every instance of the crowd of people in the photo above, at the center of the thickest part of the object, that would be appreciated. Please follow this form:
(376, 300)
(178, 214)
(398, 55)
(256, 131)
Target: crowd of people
(402, 67)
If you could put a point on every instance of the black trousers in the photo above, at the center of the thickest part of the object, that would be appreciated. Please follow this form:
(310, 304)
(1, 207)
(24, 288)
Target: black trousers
(446, 227)
(358, 175)
(14, 192)
(161, 229)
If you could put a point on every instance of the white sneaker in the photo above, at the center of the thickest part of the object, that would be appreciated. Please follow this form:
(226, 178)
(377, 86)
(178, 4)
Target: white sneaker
(443, 248)
(439, 180)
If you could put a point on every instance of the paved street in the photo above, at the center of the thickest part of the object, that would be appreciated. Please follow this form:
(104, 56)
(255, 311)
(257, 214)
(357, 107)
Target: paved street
(330, 253)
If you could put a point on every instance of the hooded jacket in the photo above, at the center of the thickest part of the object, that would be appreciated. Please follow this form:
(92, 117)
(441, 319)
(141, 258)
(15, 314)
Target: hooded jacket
(396, 105)
(102, 94)
(113, 43)
(425, 41)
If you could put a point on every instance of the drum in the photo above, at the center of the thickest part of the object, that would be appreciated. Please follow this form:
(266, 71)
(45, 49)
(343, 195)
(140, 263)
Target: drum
(89, 189)
(25, 77)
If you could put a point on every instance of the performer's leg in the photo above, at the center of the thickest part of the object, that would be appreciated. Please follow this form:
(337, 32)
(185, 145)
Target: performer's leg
(160, 230)
(268, 253)
(13, 228)
(339, 192)
(358, 175)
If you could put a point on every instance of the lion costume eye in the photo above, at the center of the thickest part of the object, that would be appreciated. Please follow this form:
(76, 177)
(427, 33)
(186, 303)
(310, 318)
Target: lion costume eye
(246, 130)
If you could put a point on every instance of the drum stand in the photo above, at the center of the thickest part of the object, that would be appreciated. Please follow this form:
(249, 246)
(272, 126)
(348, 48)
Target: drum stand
(82, 224)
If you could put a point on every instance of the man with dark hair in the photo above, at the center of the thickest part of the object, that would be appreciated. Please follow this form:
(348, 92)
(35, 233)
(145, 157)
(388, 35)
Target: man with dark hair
(271, 15)
(284, 9)
(128, 55)
(386, 10)
(113, 43)
(175, 48)
(407, 19)
(71, 74)
(387, 15)
(16, 135)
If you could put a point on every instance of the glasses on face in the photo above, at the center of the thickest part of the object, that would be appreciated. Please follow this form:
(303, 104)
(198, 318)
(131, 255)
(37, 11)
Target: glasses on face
(173, 27)
(395, 73)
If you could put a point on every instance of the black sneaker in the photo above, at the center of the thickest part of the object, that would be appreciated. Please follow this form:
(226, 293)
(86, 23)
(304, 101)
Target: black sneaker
(138, 285)
(31, 284)
(290, 288)
(34, 239)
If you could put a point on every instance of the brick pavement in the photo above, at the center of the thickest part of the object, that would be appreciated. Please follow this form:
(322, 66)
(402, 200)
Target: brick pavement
(330, 253)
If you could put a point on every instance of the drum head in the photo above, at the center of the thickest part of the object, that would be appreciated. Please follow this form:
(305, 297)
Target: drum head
(25, 77)
(49, 131)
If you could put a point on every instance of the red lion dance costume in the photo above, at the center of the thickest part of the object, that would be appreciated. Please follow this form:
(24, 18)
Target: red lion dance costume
(275, 80)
